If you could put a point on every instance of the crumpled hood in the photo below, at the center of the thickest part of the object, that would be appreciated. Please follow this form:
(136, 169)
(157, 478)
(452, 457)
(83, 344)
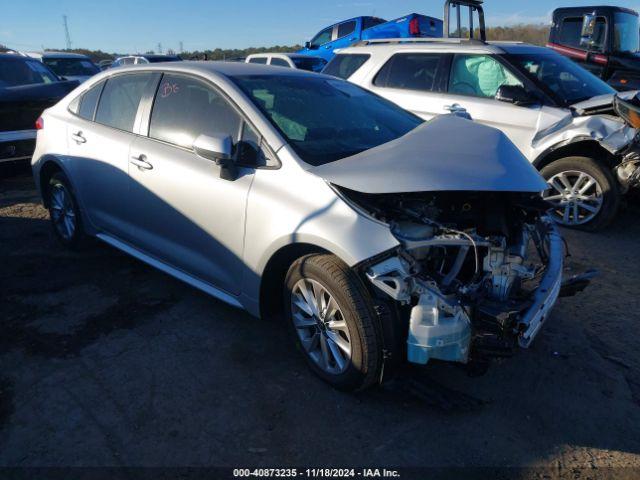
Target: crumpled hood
(600, 101)
(448, 153)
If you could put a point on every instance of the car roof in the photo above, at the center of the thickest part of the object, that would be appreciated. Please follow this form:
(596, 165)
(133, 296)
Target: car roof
(155, 55)
(441, 45)
(60, 55)
(603, 8)
(227, 69)
(15, 56)
(282, 54)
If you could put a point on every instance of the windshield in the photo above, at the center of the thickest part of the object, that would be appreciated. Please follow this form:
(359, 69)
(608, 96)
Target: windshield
(69, 67)
(326, 119)
(312, 64)
(559, 77)
(17, 72)
(626, 36)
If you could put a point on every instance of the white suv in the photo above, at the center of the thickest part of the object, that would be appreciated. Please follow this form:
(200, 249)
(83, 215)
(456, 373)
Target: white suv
(560, 116)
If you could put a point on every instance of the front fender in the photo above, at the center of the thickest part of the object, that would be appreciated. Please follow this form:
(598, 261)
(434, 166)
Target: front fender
(610, 132)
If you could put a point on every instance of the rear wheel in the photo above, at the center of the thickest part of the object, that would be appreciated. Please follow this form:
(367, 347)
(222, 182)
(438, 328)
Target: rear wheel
(332, 320)
(583, 193)
(64, 211)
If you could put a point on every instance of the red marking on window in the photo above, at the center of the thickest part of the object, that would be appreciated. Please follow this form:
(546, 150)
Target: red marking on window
(167, 88)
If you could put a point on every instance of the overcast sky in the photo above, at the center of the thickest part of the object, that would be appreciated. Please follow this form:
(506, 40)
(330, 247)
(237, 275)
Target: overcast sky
(139, 25)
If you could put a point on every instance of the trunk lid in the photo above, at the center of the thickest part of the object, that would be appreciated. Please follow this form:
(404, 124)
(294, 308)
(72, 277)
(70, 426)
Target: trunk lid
(21, 106)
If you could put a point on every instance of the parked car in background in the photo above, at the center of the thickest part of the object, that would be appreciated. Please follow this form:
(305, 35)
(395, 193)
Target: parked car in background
(27, 87)
(70, 66)
(559, 115)
(289, 60)
(104, 64)
(603, 39)
(377, 236)
(347, 32)
(144, 59)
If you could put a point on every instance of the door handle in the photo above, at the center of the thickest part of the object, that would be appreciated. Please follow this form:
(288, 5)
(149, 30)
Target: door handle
(78, 138)
(141, 162)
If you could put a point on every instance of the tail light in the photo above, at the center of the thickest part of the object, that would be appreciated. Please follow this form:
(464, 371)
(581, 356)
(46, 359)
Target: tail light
(414, 26)
(39, 123)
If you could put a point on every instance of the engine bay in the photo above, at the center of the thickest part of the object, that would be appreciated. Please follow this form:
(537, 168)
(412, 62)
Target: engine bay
(468, 268)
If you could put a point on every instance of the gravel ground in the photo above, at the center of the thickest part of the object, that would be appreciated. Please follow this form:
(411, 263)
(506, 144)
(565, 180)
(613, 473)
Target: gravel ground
(106, 361)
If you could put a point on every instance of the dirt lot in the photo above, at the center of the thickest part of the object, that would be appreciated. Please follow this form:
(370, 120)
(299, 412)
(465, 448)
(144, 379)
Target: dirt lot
(105, 361)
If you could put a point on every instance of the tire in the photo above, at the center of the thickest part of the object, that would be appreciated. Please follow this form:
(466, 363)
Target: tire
(355, 312)
(603, 196)
(66, 221)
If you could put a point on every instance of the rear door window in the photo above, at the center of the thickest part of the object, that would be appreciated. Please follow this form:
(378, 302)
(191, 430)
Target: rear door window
(261, 60)
(411, 71)
(346, 28)
(345, 65)
(279, 62)
(186, 107)
(120, 100)
(89, 101)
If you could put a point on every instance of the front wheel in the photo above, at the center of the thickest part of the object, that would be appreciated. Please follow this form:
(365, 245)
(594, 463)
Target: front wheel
(583, 193)
(332, 319)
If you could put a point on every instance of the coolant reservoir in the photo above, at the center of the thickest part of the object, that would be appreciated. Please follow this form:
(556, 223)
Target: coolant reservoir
(434, 333)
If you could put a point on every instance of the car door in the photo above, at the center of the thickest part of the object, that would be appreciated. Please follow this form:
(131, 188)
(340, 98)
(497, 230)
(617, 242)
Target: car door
(321, 43)
(474, 80)
(182, 212)
(344, 34)
(413, 80)
(99, 138)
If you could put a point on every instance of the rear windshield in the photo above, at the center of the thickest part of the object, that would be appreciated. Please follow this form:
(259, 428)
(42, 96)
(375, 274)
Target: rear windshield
(312, 64)
(163, 59)
(345, 65)
(69, 67)
(326, 119)
(17, 72)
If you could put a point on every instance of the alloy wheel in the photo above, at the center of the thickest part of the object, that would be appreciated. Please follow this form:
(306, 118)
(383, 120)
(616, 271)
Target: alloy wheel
(576, 197)
(62, 211)
(320, 326)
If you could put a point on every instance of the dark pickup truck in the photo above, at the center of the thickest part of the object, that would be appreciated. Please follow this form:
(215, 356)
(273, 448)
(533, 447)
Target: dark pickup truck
(603, 39)
(27, 87)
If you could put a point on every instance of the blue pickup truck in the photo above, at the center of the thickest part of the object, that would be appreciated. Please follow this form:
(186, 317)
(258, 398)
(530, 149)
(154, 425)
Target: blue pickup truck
(343, 34)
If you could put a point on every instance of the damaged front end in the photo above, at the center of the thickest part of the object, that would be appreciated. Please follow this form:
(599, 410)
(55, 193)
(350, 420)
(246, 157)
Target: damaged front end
(476, 273)
(628, 170)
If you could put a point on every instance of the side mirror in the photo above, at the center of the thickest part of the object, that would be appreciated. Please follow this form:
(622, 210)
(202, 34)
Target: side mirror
(307, 45)
(515, 94)
(218, 149)
(588, 27)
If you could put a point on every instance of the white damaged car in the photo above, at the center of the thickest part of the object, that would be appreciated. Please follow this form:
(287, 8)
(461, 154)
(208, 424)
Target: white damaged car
(559, 115)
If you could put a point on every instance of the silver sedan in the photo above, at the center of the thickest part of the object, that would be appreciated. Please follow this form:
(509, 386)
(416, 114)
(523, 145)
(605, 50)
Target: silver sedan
(379, 237)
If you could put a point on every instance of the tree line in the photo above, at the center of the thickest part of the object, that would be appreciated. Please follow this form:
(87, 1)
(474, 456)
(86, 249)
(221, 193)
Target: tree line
(536, 34)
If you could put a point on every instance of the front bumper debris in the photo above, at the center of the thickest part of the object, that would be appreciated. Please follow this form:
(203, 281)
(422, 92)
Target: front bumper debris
(547, 292)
